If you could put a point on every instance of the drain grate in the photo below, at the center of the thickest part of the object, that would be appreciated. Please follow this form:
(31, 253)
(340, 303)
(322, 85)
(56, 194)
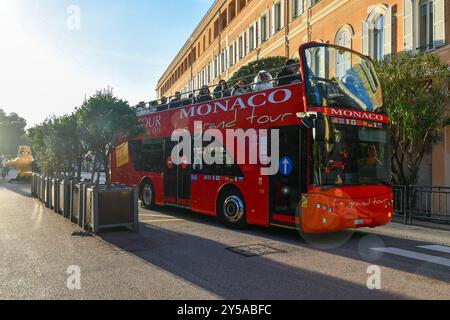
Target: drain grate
(255, 250)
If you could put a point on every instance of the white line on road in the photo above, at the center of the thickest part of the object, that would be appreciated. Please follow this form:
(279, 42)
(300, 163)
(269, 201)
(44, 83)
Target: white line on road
(415, 255)
(437, 248)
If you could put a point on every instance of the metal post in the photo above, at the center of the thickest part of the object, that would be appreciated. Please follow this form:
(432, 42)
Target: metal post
(56, 208)
(95, 215)
(48, 186)
(135, 208)
(82, 206)
(405, 204)
(410, 207)
(71, 201)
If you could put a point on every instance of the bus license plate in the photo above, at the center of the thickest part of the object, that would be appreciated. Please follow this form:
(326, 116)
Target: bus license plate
(359, 222)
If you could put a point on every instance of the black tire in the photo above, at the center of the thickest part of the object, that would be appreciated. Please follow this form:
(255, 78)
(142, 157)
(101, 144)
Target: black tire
(231, 210)
(147, 195)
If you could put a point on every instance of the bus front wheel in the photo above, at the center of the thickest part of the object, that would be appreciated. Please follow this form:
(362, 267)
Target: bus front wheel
(232, 210)
(147, 195)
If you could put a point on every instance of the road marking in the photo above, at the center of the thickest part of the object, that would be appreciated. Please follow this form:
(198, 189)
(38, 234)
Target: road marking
(415, 255)
(437, 248)
(154, 215)
(162, 220)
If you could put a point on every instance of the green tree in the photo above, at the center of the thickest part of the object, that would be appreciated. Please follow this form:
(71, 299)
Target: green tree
(416, 99)
(58, 146)
(43, 157)
(105, 118)
(12, 132)
(249, 71)
(67, 145)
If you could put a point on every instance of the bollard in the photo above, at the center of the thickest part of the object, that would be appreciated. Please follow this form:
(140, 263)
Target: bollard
(48, 189)
(56, 195)
(82, 218)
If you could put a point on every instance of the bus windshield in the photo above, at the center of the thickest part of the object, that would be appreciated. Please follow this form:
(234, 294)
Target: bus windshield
(352, 155)
(341, 78)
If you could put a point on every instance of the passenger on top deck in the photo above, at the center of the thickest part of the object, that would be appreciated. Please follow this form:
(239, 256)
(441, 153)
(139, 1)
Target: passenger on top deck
(176, 101)
(188, 101)
(287, 75)
(204, 95)
(222, 90)
(163, 106)
(263, 81)
(240, 88)
(141, 106)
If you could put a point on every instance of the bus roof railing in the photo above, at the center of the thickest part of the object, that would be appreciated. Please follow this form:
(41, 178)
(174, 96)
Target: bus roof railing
(190, 97)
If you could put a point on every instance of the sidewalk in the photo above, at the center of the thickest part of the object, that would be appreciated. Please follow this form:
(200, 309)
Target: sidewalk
(418, 233)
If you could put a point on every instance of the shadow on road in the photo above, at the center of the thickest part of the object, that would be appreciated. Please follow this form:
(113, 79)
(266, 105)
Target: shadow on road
(22, 188)
(352, 244)
(210, 265)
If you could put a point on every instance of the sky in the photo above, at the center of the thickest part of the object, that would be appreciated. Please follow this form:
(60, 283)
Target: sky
(53, 53)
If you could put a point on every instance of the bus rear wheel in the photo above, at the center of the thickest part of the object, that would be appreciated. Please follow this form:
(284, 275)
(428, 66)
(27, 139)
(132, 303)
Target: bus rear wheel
(232, 210)
(147, 195)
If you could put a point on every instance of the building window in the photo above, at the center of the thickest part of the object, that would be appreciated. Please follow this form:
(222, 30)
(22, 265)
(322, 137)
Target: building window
(343, 61)
(426, 21)
(277, 17)
(223, 61)
(424, 25)
(216, 67)
(264, 25)
(378, 38)
(240, 45)
(252, 37)
(297, 8)
(241, 5)
(232, 55)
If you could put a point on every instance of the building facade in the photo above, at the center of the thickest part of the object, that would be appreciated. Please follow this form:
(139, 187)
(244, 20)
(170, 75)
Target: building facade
(236, 32)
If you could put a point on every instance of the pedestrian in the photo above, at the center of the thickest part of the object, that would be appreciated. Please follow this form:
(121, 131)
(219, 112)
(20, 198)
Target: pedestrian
(287, 75)
(3, 167)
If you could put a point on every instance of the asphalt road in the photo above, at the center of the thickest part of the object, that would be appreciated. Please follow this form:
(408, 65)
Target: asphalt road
(181, 255)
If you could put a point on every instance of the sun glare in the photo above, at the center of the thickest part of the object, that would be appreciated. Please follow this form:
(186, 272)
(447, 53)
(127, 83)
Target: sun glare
(7, 12)
(6, 6)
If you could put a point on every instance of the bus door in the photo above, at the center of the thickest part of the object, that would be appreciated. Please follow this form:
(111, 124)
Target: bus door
(177, 180)
(287, 185)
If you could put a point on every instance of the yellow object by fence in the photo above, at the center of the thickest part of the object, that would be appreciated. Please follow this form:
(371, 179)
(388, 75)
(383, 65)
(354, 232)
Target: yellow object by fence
(23, 162)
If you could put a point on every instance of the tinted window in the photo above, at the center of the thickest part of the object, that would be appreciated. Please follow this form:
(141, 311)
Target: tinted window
(148, 155)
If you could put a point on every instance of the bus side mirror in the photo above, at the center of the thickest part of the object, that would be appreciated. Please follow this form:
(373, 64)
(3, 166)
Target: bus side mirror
(319, 128)
(316, 122)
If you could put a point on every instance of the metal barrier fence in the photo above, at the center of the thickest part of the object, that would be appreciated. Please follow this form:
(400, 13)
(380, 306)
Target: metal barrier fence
(422, 203)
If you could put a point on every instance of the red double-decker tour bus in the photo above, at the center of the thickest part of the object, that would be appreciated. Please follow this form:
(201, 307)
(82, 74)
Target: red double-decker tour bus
(333, 143)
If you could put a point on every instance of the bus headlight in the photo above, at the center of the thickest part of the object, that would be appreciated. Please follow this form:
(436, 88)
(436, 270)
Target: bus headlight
(286, 191)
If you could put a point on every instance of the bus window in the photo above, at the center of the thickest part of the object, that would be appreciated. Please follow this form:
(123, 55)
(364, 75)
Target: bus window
(147, 155)
(340, 78)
